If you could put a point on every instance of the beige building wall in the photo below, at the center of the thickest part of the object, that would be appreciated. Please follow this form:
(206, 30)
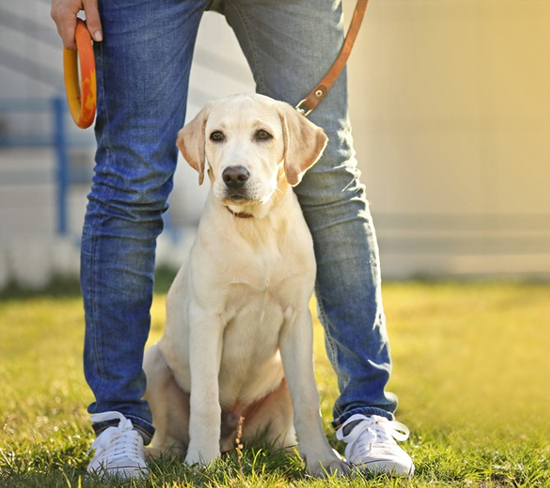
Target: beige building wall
(450, 103)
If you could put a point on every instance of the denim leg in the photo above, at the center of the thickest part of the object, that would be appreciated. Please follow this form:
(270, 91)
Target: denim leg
(142, 73)
(289, 48)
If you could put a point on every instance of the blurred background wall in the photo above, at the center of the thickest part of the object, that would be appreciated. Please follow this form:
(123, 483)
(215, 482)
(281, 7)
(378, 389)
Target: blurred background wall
(450, 105)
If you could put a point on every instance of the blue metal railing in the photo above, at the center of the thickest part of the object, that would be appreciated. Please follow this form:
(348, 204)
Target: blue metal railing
(60, 143)
(62, 140)
(59, 139)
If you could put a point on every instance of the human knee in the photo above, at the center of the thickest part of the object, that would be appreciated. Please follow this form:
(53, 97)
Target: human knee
(138, 197)
(335, 186)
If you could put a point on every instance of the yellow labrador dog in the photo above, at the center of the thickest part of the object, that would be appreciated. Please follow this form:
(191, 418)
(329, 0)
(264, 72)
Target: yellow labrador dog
(236, 354)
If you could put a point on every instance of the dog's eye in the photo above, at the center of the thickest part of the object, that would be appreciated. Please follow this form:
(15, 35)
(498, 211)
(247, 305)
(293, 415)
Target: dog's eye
(217, 136)
(262, 135)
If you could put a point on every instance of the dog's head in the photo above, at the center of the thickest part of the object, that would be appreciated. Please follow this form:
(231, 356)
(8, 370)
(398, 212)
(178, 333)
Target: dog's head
(253, 145)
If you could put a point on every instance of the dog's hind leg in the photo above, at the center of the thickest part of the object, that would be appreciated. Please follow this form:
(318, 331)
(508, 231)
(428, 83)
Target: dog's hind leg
(270, 420)
(169, 405)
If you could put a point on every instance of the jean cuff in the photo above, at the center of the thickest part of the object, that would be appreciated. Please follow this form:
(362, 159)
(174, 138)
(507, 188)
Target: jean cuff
(366, 411)
(145, 429)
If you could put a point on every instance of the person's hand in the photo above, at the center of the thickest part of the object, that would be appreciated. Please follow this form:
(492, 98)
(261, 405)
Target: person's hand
(64, 14)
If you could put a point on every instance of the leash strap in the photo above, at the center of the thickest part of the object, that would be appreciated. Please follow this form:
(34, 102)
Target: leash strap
(308, 104)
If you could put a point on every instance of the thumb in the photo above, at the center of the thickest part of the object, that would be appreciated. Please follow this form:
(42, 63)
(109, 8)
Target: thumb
(93, 20)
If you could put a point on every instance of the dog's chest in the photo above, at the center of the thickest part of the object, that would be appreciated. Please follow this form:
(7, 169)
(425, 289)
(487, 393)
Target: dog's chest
(264, 271)
(270, 275)
(250, 362)
(265, 286)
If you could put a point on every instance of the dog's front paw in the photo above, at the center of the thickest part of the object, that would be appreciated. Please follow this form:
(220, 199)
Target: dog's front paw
(202, 455)
(327, 467)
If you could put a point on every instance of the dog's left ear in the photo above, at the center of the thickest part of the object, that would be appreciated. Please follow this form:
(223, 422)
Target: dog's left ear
(191, 140)
(304, 143)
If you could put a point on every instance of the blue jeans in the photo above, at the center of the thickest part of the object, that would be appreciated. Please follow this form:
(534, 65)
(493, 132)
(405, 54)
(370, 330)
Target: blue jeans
(143, 69)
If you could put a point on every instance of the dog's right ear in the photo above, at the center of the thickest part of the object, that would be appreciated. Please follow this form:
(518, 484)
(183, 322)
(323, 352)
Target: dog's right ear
(191, 142)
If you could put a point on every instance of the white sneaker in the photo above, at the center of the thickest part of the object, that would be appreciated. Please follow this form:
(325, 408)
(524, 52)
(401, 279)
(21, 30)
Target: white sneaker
(371, 445)
(118, 450)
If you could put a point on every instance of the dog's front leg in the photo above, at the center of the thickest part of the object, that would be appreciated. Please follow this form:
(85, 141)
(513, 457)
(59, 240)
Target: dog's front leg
(205, 343)
(297, 354)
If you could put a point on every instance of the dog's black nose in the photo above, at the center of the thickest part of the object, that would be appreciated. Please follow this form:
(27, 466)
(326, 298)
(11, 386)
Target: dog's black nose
(235, 176)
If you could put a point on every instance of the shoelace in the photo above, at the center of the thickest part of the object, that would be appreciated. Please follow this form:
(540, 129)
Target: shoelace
(120, 442)
(370, 430)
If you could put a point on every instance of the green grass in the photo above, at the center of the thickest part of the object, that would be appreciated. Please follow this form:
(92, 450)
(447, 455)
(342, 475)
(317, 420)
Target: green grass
(471, 368)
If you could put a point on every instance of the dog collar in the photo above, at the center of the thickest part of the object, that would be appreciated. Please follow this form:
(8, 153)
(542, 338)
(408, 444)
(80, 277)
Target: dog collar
(240, 215)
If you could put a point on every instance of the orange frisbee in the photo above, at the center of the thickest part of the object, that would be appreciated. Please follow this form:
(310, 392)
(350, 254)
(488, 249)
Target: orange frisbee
(81, 91)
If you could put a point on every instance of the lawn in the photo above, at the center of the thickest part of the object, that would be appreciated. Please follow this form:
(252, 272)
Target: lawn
(471, 368)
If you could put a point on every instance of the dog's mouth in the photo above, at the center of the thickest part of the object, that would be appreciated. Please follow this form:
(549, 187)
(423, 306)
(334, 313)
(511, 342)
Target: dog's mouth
(236, 197)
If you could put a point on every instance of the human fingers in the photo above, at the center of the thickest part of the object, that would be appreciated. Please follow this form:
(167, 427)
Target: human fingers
(93, 21)
(64, 14)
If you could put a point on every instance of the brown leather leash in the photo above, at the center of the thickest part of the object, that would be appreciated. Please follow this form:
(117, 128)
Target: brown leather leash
(308, 104)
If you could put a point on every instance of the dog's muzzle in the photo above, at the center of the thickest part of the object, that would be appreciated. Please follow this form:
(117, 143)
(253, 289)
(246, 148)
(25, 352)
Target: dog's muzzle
(235, 179)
